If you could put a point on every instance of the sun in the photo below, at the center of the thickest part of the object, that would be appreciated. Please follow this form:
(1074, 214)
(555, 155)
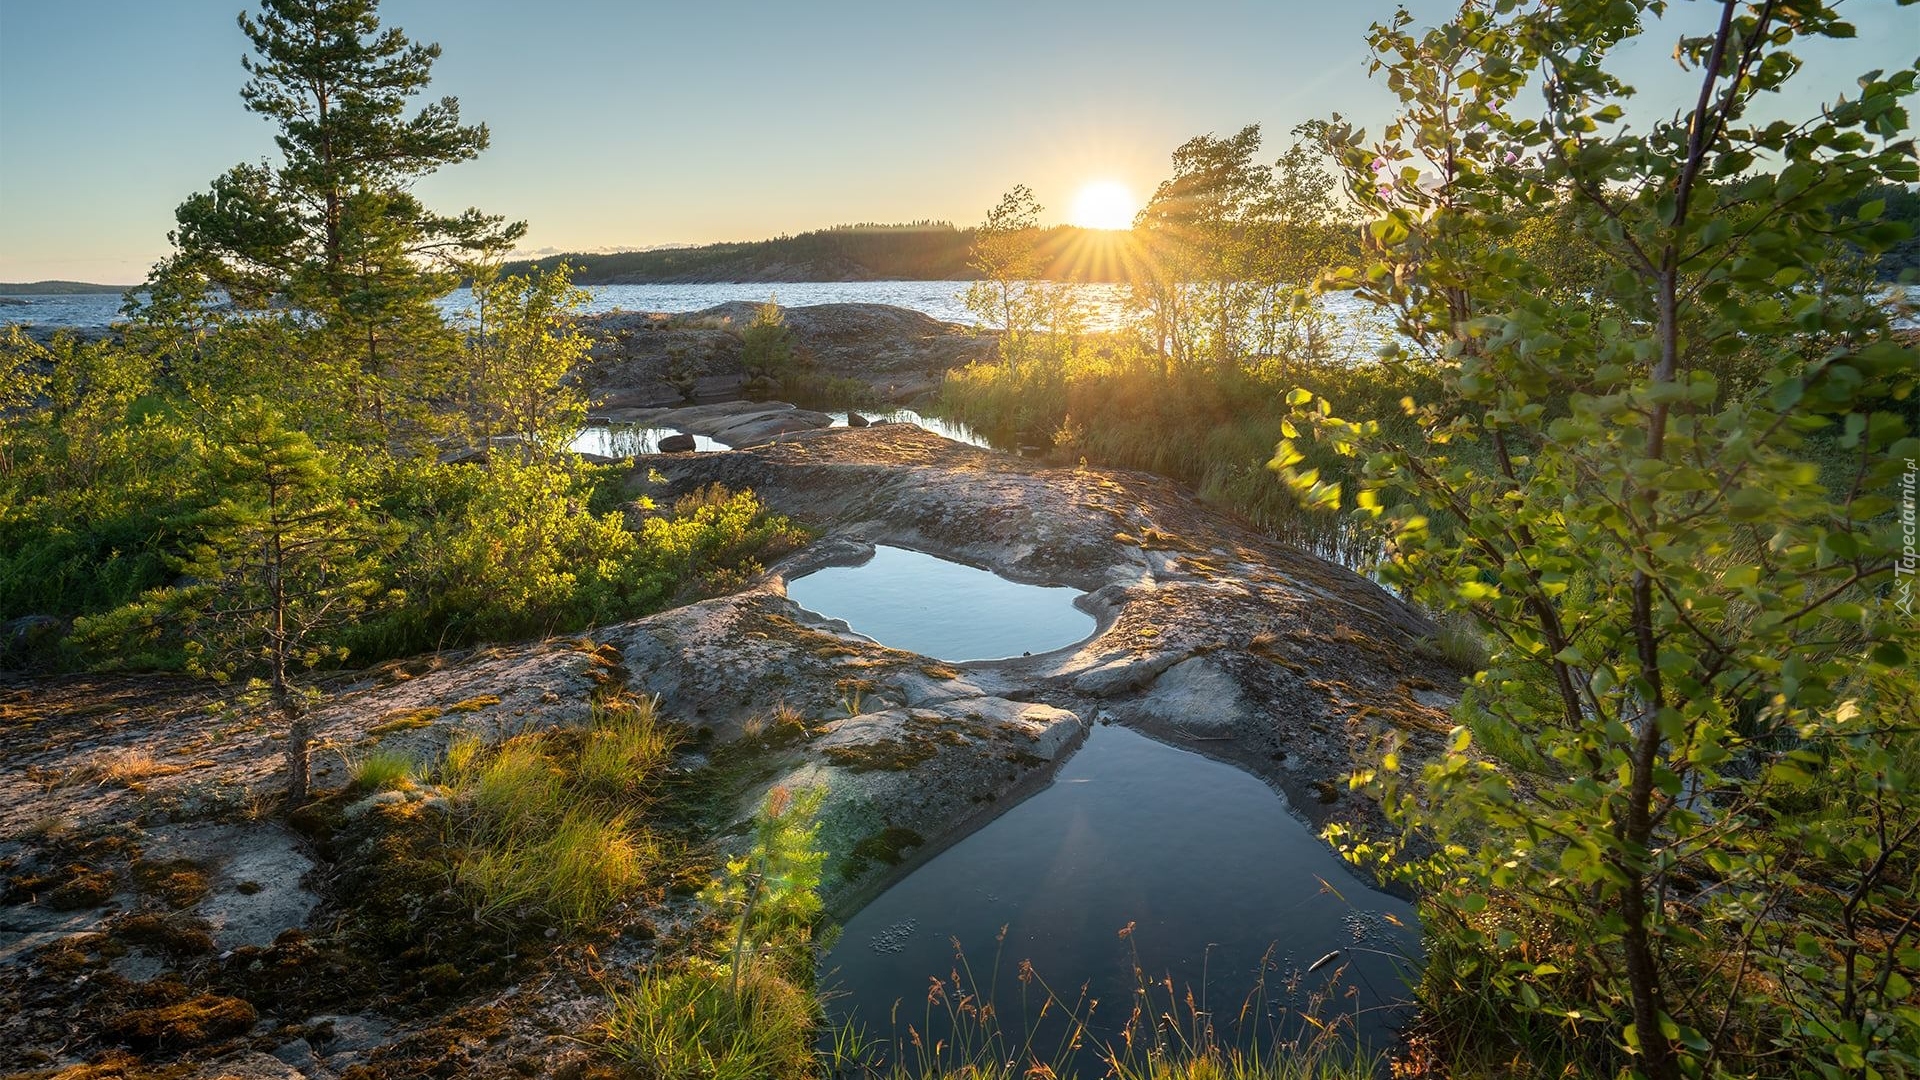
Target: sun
(1104, 204)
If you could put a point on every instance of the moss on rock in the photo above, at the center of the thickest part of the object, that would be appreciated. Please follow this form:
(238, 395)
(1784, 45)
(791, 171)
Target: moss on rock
(204, 1019)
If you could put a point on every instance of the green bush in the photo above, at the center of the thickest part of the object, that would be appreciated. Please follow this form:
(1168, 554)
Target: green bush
(766, 345)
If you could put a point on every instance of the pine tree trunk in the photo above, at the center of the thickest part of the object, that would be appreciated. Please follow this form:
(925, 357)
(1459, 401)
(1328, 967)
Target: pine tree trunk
(299, 740)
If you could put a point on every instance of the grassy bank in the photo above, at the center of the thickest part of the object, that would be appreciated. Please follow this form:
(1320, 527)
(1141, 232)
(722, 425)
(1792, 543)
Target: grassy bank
(1213, 427)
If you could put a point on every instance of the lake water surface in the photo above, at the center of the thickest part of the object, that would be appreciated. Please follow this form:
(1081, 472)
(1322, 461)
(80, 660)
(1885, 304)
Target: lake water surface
(943, 300)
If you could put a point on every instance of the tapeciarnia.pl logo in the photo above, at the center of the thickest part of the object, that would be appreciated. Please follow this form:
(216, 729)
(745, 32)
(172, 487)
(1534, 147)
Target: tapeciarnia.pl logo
(1905, 567)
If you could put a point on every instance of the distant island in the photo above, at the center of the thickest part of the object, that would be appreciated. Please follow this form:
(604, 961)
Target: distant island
(919, 251)
(57, 288)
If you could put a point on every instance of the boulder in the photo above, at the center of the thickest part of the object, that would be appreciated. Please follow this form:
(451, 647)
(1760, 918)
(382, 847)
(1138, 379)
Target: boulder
(677, 444)
(854, 419)
(21, 637)
(659, 359)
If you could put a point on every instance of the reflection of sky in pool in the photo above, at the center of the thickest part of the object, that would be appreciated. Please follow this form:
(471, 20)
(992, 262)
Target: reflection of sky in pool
(1202, 859)
(626, 440)
(952, 429)
(914, 601)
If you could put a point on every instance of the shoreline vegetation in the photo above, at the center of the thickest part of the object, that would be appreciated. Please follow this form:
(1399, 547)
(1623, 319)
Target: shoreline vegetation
(1646, 455)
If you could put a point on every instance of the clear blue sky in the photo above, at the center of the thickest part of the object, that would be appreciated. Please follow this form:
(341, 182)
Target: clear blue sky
(637, 123)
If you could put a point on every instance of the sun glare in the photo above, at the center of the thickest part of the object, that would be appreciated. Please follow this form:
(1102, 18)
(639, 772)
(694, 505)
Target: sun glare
(1104, 204)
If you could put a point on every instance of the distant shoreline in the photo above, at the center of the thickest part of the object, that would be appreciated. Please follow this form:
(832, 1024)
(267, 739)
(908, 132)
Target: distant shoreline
(59, 288)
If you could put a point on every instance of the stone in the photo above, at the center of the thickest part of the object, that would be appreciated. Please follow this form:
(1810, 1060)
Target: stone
(252, 1065)
(658, 359)
(1196, 698)
(854, 419)
(347, 1033)
(27, 634)
(257, 872)
(677, 444)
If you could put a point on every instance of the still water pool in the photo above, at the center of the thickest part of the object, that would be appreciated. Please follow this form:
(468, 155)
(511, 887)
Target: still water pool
(626, 440)
(951, 429)
(1225, 891)
(914, 601)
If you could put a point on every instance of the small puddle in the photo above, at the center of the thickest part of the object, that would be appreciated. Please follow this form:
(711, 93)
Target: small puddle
(628, 440)
(1228, 895)
(914, 601)
(952, 429)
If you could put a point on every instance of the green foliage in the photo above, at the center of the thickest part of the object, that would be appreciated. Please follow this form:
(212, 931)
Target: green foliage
(283, 557)
(1111, 401)
(1225, 245)
(1005, 256)
(333, 227)
(91, 467)
(766, 345)
(715, 538)
(1640, 491)
(752, 1015)
(517, 552)
(1899, 204)
(519, 355)
(772, 891)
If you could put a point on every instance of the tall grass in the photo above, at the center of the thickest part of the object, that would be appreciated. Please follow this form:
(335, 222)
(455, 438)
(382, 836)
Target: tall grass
(625, 749)
(751, 1014)
(380, 770)
(544, 827)
(1211, 426)
(693, 1024)
(519, 790)
(572, 870)
(1165, 1033)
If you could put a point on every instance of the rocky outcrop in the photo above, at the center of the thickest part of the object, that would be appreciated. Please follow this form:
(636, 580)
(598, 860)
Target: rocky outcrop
(1211, 635)
(135, 841)
(656, 360)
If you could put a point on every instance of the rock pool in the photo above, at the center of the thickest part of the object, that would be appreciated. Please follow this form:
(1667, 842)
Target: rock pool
(627, 440)
(1225, 892)
(946, 610)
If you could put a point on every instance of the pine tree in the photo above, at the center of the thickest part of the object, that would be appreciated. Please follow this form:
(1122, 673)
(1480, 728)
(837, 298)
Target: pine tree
(332, 229)
(285, 558)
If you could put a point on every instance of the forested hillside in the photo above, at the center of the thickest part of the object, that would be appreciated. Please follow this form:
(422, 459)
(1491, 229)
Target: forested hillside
(920, 251)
